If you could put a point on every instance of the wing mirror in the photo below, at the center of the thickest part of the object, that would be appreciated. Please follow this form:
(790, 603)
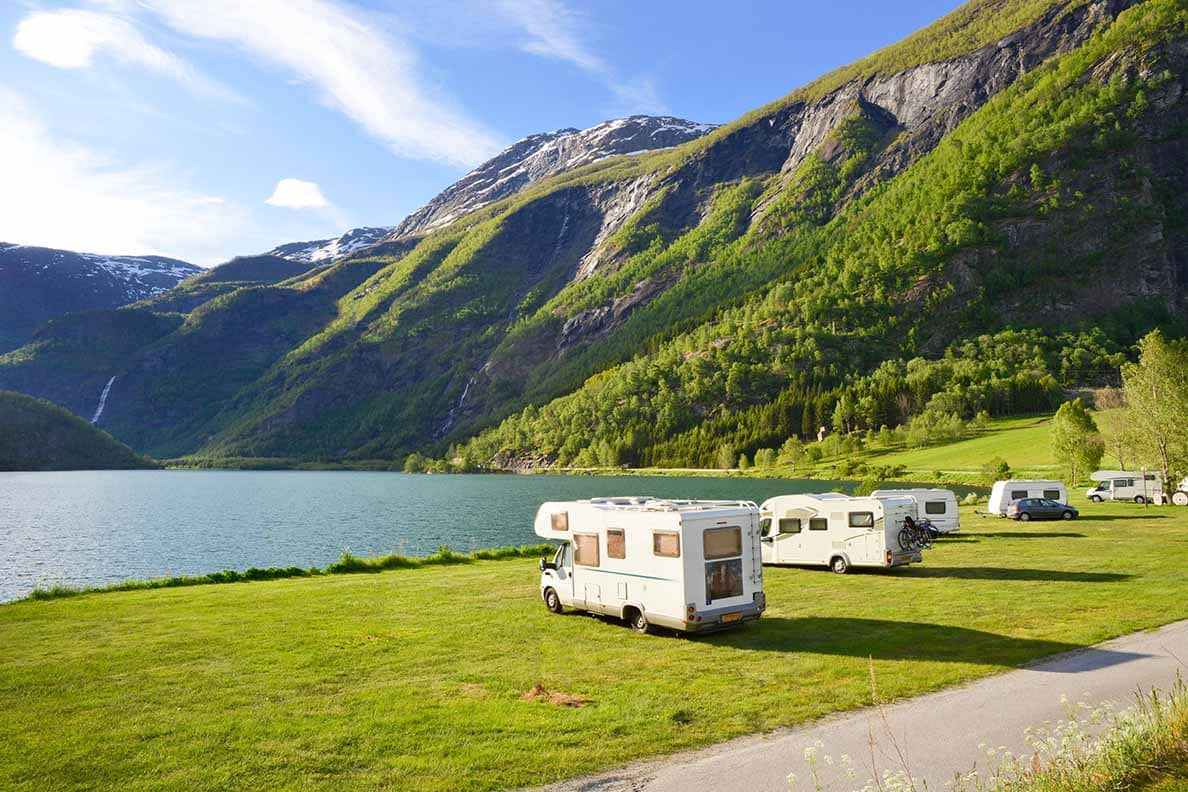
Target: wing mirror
(546, 564)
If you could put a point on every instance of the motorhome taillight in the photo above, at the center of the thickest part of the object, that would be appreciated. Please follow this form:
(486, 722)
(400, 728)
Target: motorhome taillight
(890, 557)
(691, 609)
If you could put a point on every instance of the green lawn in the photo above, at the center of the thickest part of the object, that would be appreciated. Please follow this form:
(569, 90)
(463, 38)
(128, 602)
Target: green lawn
(411, 679)
(1025, 444)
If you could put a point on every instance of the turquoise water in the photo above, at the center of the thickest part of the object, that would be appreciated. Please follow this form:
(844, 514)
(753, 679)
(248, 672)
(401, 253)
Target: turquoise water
(99, 527)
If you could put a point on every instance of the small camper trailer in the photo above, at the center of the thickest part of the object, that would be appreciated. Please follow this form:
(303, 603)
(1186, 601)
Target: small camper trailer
(837, 531)
(936, 506)
(1004, 493)
(683, 564)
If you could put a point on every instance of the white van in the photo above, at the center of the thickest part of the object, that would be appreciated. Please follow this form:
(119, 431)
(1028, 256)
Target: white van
(837, 531)
(937, 506)
(1126, 485)
(683, 564)
(1004, 493)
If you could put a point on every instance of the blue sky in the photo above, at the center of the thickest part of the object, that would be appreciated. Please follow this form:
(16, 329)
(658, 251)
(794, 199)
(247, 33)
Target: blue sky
(204, 129)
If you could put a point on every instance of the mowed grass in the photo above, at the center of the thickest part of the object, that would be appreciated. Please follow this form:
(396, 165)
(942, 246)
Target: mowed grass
(1025, 444)
(411, 679)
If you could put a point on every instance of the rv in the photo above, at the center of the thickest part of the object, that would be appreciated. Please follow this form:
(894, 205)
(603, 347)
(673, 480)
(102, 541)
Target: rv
(687, 565)
(1004, 493)
(837, 531)
(936, 506)
(1126, 485)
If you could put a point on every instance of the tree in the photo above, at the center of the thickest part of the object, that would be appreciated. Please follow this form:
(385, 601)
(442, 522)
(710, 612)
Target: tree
(414, 463)
(726, 457)
(1156, 389)
(743, 462)
(1076, 440)
(765, 458)
(843, 415)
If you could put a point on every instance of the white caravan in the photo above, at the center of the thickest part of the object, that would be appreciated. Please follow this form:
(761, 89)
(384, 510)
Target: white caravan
(937, 506)
(1126, 485)
(837, 531)
(683, 564)
(1004, 493)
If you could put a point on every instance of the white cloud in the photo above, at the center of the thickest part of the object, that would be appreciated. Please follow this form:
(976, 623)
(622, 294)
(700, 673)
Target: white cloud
(298, 194)
(550, 29)
(73, 38)
(61, 194)
(372, 77)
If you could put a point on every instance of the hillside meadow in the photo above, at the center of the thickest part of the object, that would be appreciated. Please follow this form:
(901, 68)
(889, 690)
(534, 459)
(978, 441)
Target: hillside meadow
(415, 678)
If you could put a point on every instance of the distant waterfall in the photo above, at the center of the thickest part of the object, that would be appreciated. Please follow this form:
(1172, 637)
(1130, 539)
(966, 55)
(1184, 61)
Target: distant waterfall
(102, 401)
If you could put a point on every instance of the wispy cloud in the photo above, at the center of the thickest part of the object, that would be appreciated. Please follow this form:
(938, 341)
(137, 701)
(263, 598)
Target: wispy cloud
(358, 69)
(550, 29)
(71, 197)
(74, 38)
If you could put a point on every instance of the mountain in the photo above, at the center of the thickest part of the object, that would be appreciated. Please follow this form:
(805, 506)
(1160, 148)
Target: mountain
(327, 251)
(972, 219)
(38, 435)
(37, 284)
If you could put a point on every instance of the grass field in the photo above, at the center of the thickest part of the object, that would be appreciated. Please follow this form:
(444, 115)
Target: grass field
(411, 679)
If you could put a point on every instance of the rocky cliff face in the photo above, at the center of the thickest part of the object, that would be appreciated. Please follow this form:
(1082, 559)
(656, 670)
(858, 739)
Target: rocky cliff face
(539, 156)
(37, 284)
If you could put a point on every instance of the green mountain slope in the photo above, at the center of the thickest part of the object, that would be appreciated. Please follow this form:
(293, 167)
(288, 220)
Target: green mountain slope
(37, 435)
(850, 243)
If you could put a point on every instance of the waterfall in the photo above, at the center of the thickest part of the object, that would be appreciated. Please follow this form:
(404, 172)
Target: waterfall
(102, 401)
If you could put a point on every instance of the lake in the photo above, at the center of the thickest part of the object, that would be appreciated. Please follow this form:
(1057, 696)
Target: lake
(99, 527)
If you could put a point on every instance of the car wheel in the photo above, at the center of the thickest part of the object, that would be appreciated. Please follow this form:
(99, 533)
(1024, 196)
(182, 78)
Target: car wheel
(839, 565)
(1067, 515)
(1024, 517)
(552, 601)
(1095, 498)
(638, 621)
(1139, 499)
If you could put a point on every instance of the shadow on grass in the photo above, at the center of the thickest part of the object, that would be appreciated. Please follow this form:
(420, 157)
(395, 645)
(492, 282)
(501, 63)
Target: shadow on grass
(1115, 518)
(1006, 573)
(904, 640)
(1027, 535)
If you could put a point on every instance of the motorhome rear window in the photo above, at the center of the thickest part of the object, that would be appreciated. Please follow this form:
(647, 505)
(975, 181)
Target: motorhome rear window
(934, 507)
(585, 549)
(616, 543)
(561, 521)
(666, 544)
(790, 525)
(722, 542)
(723, 579)
(1052, 494)
(1018, 494)
(862, 519)
(818, 524)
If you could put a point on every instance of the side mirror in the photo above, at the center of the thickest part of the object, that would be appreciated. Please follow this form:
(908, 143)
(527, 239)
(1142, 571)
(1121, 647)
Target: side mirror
(543, 565)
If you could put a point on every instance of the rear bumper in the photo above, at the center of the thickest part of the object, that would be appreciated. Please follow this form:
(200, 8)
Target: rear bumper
(903, 559)
(716, 618)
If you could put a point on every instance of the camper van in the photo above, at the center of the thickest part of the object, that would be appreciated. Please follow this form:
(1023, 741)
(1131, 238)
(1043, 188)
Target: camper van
(687, 565)
(837, 531)
(1004, 493)
(1126, 485)
(937, 506)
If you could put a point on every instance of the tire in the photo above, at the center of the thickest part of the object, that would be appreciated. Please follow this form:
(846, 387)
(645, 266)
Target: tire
(839, 565)
(1066, 516)
(1024, 517)
(552, 601)
(1139, 499)
(638, 621)
(1180, 498)
(1095, 498)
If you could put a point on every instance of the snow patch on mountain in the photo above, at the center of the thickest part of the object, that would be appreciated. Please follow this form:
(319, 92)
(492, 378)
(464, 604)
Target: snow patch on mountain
(327, 251)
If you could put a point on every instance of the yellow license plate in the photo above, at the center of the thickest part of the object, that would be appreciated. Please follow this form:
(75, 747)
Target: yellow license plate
(729, 617)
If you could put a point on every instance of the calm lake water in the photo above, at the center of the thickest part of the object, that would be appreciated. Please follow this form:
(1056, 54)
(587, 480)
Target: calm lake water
(99, 527)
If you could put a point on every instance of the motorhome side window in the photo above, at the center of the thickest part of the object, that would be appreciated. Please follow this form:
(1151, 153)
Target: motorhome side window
(666, 544)
(934, 507)
(616, 543)
(722, 542)
(561, 521)
(789, 525)
(818, 524)
(862, 519)
(1053, 495)
(585, 549)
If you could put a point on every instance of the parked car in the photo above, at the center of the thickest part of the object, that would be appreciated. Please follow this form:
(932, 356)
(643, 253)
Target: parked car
(1041, 509)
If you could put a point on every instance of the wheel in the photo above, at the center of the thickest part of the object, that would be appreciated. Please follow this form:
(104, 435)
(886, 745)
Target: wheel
(839, 565)
(1095, 498)
(1066, 516)
(1180, 498)
(1024, 517)
(1139, 499)
(638, 621)
(552, 601)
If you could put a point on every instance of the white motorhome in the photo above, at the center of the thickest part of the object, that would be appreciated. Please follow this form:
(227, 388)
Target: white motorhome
(937, 506)
(1004, 493)
(687, 565)
(837, 531)
(1126, 485)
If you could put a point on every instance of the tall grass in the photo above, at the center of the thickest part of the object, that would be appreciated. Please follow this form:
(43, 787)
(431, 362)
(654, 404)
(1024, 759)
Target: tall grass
(347, 563)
